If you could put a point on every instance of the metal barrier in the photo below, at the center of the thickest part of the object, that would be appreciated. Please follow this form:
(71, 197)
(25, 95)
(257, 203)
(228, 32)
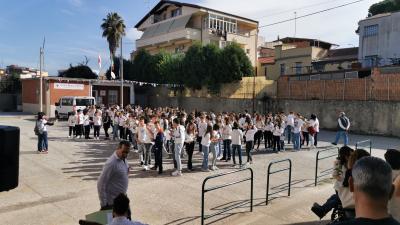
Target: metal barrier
(281, 170)
(324, 172)
(203, 191)
(365, 143)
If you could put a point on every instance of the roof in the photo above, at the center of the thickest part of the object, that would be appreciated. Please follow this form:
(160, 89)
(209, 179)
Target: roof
(313, 42)
(380, 15)
(266, 60)
(180, 4)
(341, 54)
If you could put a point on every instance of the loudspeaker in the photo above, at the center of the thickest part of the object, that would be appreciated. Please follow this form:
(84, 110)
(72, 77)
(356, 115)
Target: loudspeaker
(9, 157)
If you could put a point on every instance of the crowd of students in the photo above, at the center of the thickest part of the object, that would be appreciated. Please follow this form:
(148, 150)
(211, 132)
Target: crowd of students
(177, 132)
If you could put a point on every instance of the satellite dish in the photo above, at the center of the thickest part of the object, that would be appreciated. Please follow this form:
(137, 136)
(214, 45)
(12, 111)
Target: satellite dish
(112, 75)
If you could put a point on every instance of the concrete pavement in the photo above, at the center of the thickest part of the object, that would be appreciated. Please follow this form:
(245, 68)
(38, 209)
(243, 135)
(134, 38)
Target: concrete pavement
(60, 188)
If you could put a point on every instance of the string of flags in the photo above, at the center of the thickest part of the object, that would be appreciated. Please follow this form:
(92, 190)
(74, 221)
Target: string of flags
(140, 83)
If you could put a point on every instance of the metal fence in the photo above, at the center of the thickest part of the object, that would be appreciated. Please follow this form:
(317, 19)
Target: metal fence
(365, 144)
(289, 168)
(330, 153)
(205, 190)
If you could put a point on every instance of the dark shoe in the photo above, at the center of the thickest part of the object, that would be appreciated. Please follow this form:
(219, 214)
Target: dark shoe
(222, 159)
(334, 143)
(317, 209)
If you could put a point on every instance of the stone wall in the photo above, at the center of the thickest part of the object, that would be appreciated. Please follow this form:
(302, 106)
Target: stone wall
(366, 117)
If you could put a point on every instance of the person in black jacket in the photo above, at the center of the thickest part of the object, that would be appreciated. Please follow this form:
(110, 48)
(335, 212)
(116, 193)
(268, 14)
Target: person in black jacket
(158, 147)
(106, 123)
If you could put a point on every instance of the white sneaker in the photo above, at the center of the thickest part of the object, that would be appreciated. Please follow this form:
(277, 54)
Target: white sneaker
(214, 168)
(176, 173)
(69, 137)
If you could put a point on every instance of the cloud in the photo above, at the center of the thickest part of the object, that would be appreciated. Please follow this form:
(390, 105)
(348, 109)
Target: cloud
(67, 12)
(336, 26)
(76, 3)
(132, 34)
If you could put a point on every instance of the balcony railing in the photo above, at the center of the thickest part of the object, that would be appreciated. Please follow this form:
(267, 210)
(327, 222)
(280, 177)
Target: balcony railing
(187, 33)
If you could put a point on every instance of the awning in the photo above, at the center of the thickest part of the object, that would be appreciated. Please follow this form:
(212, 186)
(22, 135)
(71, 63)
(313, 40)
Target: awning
(166, 27)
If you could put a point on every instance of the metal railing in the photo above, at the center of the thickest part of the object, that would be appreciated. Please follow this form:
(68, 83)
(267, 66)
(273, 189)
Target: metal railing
(204, 190)
(365, 143)
(326, 171)
(278, 171)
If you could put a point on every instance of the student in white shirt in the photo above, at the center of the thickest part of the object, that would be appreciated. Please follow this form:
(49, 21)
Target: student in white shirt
(71, 124)
(298, 123)
(205, 144)
(227, 138)
(121, 126)
(277, 132)
(202, 127)
(86, 124)
(97, 122)
(214, 146)
(179, 138)
(79, 124)
(237, 136)
(289, 126)
(268, 128)
(116, 125)
(249, 134)
(144, 140)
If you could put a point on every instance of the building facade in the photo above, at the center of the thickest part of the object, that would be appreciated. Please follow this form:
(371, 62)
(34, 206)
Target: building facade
(174, 26)
(379, 37)
(298, 56)
(105, 92)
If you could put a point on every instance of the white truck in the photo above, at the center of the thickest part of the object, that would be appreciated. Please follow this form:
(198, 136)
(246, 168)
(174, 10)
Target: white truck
(69, 104)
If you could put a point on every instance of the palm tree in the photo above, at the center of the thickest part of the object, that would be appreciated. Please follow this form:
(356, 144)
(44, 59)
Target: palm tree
(113, 29)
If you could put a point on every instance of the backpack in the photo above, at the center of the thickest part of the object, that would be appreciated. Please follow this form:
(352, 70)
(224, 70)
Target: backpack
(36, 129)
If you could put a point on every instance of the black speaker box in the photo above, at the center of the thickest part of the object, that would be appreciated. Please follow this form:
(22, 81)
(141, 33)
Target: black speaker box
(9, 157)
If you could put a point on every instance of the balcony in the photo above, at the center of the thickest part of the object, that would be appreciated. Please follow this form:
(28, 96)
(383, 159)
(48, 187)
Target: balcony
(183, 34)
(238, 38)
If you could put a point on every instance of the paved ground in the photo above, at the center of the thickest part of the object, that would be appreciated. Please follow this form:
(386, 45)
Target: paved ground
(60, 188)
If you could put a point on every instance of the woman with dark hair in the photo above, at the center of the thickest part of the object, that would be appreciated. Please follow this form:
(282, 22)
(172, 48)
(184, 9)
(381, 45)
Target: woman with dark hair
(190, 138)
(315, 124)
(237, 136)
(41, 131)
(339, 170)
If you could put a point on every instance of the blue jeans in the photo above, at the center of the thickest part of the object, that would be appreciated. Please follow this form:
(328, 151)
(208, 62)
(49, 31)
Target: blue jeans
(289, 133)
(214, 150)
(296, 141)
(177, 152)
(345, 137)
(115, 131)
(205, 150)
(239, 151)
(42, 141)
(227, 149)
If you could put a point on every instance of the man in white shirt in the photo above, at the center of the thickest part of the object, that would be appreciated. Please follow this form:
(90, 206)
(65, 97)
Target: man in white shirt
(298, 123)
(144, 141)
(290, 125)
(179, 138)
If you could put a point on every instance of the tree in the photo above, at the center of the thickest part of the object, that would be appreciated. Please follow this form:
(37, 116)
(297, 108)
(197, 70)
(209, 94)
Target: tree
(384, 7)
(144, 67)
(127, 69)
(79, 71)
(193, 67)
(234, 63)
(113, 29)
(212, 67)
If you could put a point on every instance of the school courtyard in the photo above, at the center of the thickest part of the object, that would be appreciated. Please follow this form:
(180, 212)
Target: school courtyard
(60, 187)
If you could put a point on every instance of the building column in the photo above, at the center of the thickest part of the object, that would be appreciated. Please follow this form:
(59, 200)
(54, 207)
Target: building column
(132, 93)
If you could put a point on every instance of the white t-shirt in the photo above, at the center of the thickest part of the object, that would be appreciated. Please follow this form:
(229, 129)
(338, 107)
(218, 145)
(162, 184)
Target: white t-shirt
(250, 134)
(277, 131)
(143, 135)
(237, 136)
(202, 128)
(290, 120)
(298, 123)
(206, 140)
(80, 118)
(86, 120)
(97, 121)
(227, 132)
(71, 120)
(179, 135)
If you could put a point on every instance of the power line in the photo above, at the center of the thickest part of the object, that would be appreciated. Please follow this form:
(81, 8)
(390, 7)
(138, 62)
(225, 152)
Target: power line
(310, 14)
(296, 9)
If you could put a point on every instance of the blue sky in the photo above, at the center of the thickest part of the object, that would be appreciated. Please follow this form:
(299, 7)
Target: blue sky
(72, 27)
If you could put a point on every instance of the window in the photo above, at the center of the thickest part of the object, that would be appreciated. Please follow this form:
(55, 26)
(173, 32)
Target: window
(283, 69)
(176, 12)
(298, 68)
(222, 23)
(371, 30)
(67, 102)
(248, 51)
(112, 97)
(371, 60)
(83, 102)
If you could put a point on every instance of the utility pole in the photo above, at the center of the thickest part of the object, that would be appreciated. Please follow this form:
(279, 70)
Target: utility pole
(41, 80)
(121, 76)
(255, 70)
(295, 24)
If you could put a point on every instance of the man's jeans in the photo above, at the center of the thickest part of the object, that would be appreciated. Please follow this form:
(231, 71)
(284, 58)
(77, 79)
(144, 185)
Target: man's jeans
(177, 152)
(345, 137)
(238, 149)
(296, 141)
(289, 133)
